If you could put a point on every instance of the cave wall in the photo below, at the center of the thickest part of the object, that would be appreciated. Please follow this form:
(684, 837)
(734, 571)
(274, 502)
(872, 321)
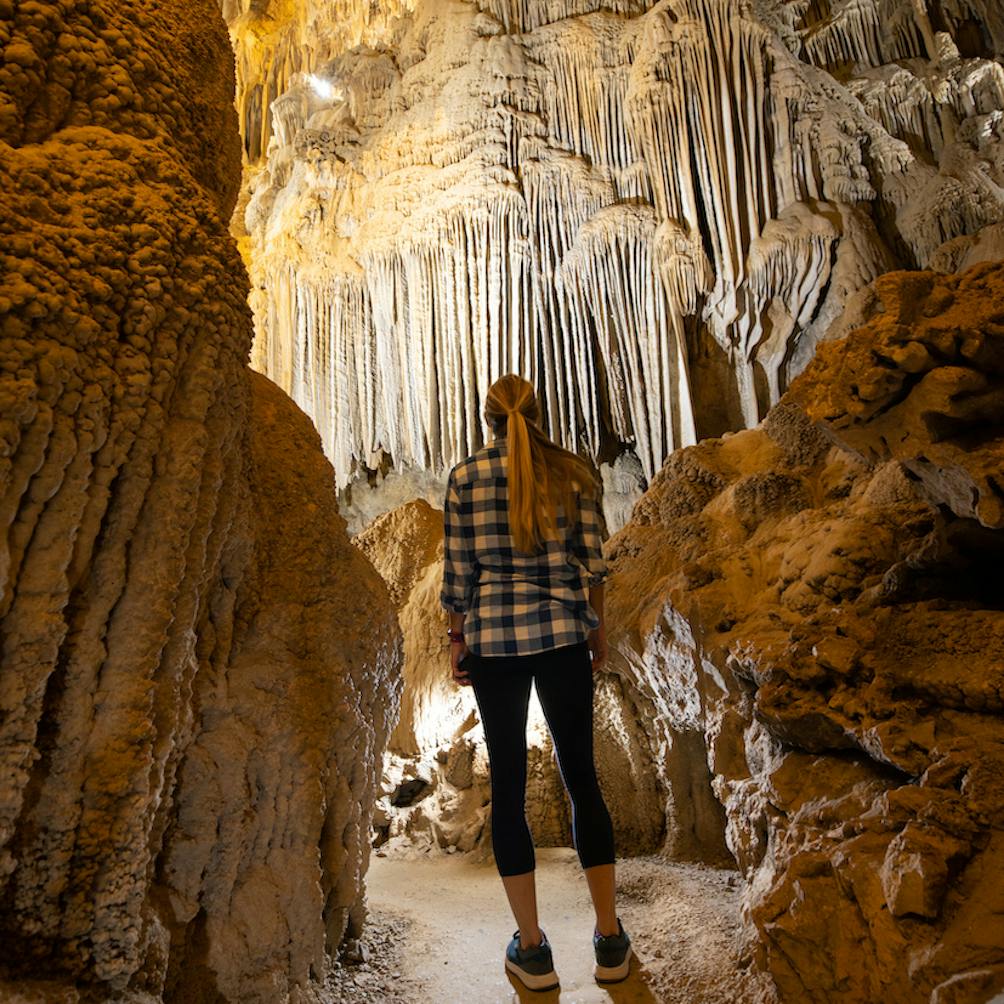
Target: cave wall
(652, 210)
(816, 605)
(190, 715)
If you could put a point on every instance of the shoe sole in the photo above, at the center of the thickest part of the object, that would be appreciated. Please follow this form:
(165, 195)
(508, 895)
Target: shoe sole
(546, 981)
(613, 974)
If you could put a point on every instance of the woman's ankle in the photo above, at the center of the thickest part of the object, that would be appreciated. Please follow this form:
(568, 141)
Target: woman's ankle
(530, 939)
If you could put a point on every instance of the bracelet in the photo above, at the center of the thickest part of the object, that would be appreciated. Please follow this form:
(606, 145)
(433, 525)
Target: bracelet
(456, 637)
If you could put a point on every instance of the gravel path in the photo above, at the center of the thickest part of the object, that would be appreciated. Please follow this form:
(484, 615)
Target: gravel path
(438, 928)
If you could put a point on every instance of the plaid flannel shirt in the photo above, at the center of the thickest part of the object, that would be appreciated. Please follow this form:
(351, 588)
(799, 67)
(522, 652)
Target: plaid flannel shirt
(516, 603)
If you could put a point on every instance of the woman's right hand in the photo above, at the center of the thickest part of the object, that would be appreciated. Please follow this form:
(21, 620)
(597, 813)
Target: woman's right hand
(457, 654)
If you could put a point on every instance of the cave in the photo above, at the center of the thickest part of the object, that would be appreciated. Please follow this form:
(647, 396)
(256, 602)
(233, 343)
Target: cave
(262, 260)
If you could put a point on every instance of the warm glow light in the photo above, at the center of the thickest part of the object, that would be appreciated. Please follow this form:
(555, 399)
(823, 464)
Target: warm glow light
(437, 722)
(322, 88)
(536, 726)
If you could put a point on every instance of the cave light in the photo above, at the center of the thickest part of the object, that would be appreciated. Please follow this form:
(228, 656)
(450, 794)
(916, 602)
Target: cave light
(322, 88)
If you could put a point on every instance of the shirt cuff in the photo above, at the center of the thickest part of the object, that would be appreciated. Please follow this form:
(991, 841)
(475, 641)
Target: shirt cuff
(455, 605)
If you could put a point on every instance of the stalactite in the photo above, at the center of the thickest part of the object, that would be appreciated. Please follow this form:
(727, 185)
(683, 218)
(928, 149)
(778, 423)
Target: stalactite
(566, 189)
(702, 145)
(924, 105)
(273, 47)
(869, 32)
(613, 279)
(584, 80)
(789, 268)
(561, 193)
(519, 16)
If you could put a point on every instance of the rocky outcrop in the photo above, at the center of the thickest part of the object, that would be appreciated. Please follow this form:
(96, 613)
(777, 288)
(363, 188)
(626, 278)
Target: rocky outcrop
(816, 604)
(672, 200)
(197, 669)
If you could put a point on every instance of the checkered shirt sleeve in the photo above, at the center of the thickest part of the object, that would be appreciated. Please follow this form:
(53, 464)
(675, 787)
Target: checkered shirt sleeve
(459, 573)
(587, 543)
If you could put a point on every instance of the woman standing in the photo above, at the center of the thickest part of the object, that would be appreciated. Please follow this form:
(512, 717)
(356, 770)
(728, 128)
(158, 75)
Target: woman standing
(523, 537)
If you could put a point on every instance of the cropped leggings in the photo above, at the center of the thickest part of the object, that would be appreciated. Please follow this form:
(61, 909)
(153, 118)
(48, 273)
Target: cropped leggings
(564, 680)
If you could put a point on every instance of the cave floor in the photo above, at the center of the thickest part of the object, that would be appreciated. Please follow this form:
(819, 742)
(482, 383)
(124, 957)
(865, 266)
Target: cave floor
(454, 923)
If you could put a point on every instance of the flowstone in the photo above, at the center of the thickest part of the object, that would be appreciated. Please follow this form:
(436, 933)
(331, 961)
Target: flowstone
(191, 717)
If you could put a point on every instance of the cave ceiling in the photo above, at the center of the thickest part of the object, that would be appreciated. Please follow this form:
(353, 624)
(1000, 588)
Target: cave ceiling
(653, 211)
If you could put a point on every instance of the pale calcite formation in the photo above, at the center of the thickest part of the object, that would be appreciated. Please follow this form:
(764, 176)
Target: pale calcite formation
(652, 210)
(437, 768)
(818, 608)
(198, 670)
(406, 548)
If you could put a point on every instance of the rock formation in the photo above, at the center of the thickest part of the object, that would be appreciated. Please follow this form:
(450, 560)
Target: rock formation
(816, 604)
(198, 670)
(652, 210)
(656, 211)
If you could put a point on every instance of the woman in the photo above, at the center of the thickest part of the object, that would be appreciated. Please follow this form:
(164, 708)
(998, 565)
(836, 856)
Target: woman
(523, 538)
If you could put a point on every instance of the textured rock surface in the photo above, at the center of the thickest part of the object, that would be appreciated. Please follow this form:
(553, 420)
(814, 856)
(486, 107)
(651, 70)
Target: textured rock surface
(819, 608)
(438, 765)
(406, 548)
(263, 864)
(926, 389)
(177, 698)
(672, 200)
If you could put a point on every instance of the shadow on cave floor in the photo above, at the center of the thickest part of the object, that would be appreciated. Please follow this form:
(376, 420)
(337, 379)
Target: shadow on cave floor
(683, 920)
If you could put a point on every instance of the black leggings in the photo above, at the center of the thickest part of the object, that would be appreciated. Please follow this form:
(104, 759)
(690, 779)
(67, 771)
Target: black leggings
(564, 679)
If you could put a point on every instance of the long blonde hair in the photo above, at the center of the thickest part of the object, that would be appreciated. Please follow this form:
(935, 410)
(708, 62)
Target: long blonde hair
(540, 473)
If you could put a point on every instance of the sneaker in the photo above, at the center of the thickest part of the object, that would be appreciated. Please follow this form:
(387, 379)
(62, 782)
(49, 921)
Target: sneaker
(533, 967)
(613, 955)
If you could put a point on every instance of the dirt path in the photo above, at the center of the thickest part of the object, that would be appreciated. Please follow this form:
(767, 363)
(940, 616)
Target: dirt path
(449, 925)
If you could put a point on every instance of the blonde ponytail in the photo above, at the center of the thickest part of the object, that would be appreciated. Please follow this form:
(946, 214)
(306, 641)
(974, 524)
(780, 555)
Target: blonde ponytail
(540, 473)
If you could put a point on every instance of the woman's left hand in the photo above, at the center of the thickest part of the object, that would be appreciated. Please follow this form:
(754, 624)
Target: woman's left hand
(598, 647)
(458, 652)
